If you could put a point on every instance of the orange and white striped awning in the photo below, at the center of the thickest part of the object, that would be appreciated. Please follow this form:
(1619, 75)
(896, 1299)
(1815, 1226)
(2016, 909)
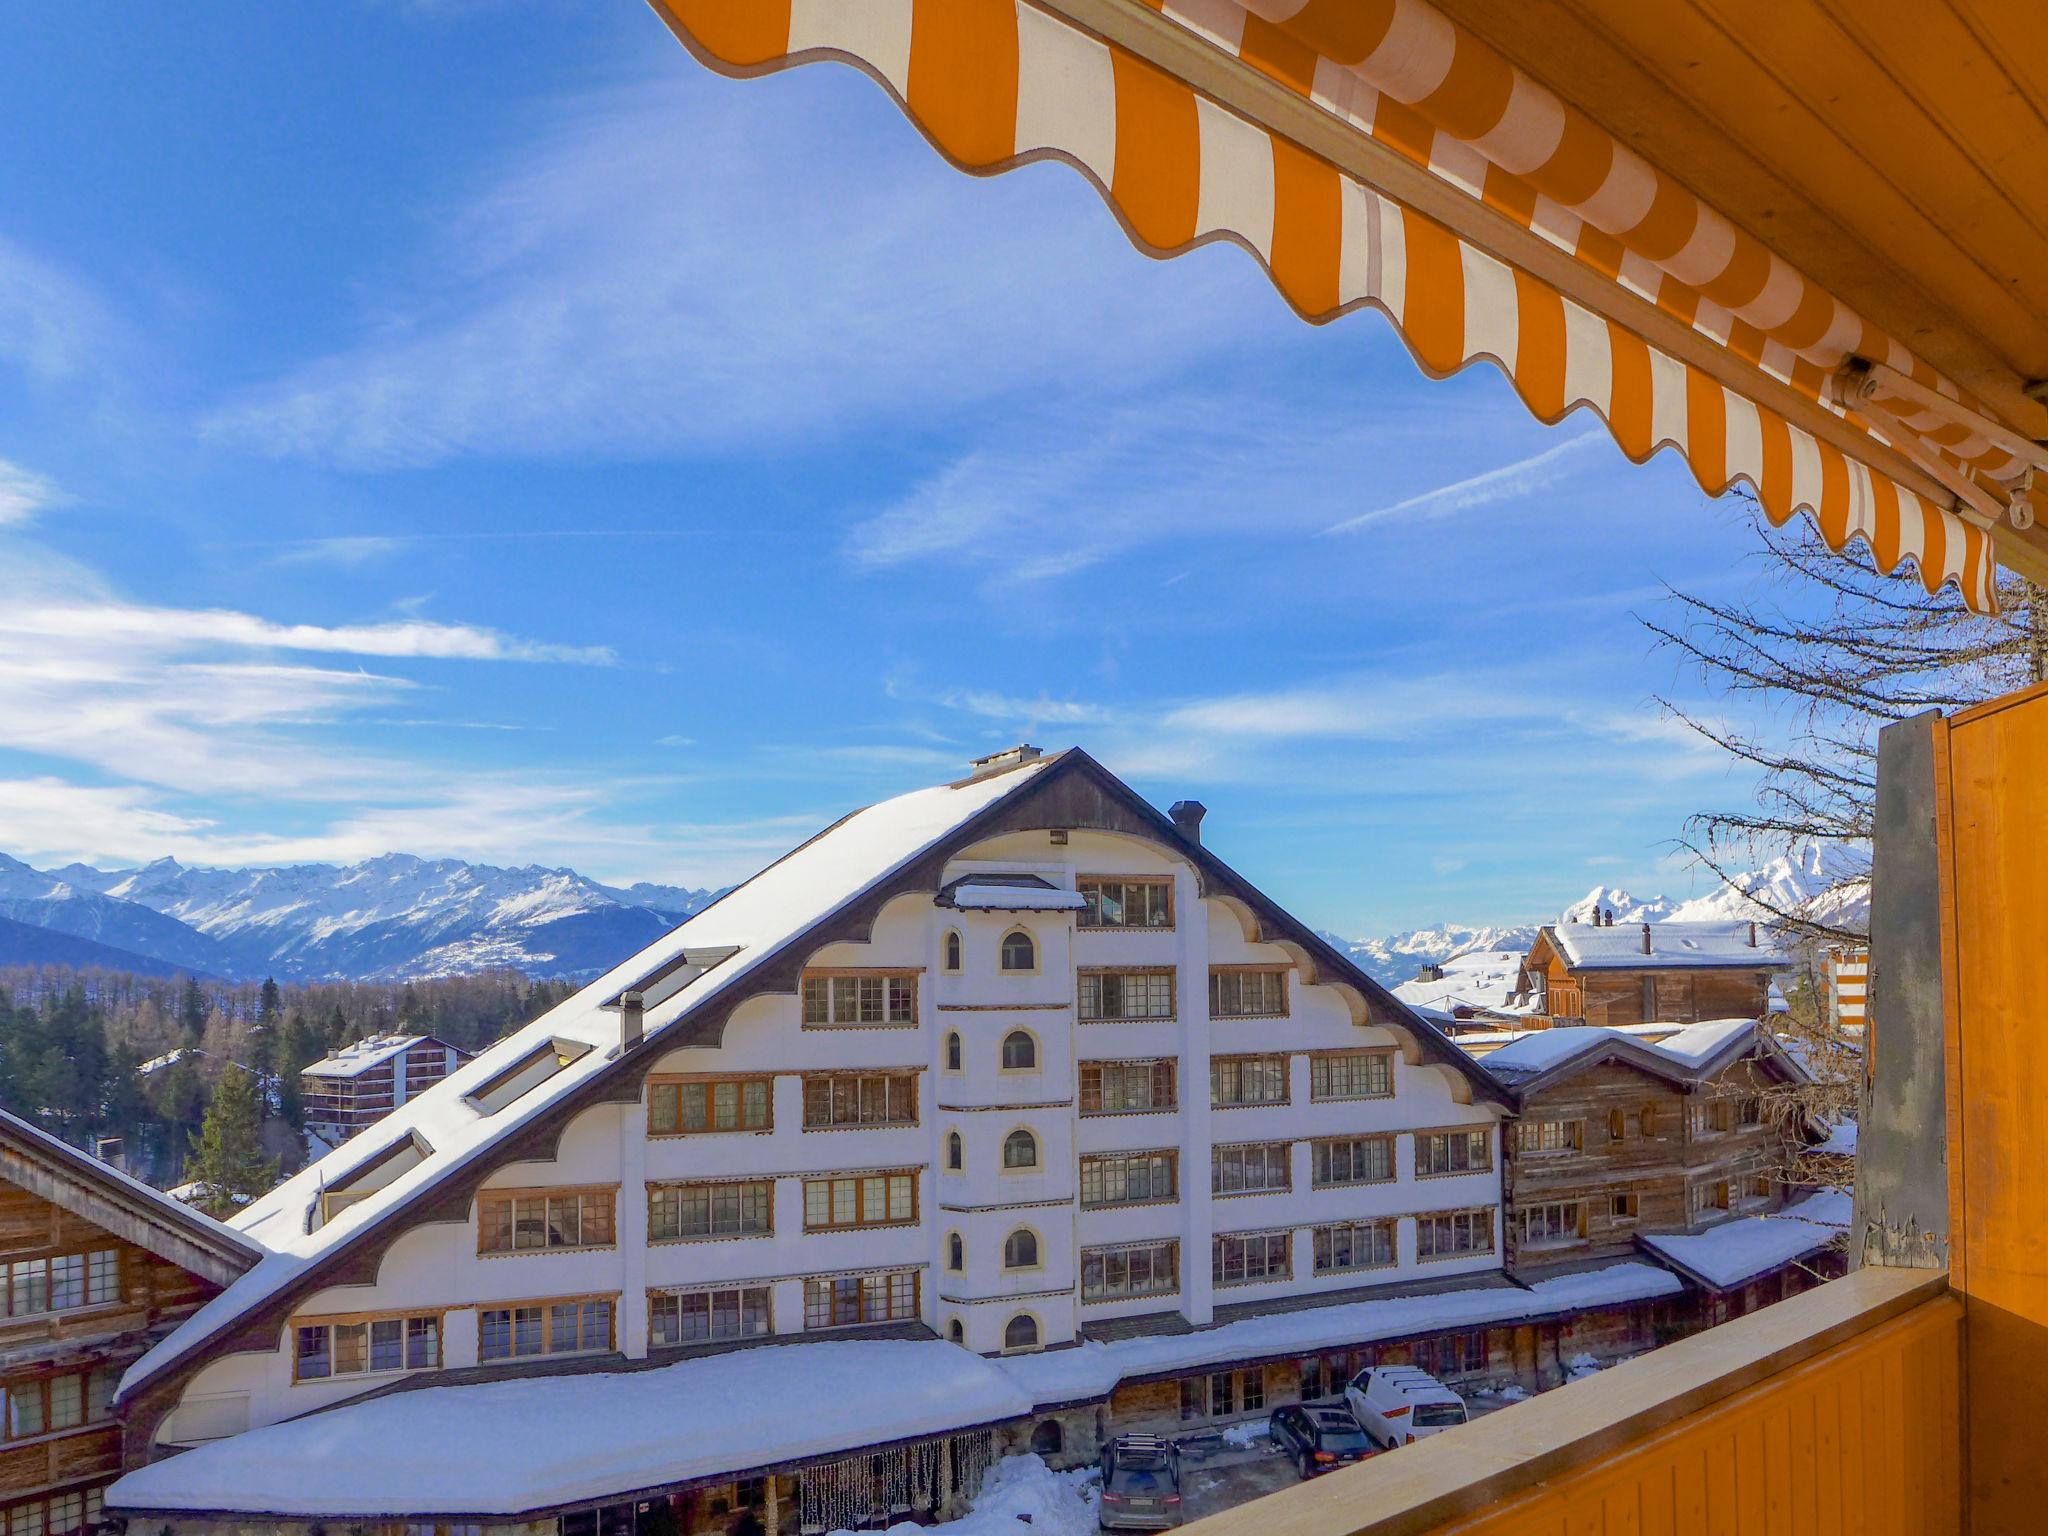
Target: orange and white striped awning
(1375, 153)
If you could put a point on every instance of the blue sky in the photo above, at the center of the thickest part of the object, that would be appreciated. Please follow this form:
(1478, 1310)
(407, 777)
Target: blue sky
(475, 429)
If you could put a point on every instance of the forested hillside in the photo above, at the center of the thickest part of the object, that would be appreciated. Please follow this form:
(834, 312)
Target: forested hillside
(88, 1053)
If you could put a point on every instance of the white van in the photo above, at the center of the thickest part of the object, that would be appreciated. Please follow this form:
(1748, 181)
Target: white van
(1396, 1404)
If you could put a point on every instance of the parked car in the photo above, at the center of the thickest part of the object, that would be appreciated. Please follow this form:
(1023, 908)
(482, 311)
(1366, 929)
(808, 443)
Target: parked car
(1140, 1484)
(1397, 1404)
(1319, 1436)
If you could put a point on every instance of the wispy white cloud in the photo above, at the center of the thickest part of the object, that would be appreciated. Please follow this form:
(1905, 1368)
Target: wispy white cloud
(347, 550)
(1510, 482)
(23, 494)
(52, 325)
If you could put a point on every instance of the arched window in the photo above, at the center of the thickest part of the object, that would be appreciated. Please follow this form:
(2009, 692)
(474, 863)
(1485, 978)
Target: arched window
(953, 950)
(955, 1332)
(956, 1252)
(1021, 1332)
(956, 1157)
(1046, 1439)
(1020, 1052)
(952, 1050)
(1020, 1150)
(1020, 1249)
(1019, 953)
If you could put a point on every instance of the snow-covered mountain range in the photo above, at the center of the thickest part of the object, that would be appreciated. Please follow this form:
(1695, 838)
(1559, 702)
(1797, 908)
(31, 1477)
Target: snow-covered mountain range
(1825, 885)
(395, 916)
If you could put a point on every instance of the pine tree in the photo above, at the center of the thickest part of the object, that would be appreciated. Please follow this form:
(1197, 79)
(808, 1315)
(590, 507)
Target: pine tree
(192, 1008)
(269, 1003)
(227, 1160)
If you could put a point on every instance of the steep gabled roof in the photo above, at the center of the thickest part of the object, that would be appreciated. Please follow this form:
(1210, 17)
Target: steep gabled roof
(1687, 1056)
(1672, 946)
(827, 890)
(95, 1191)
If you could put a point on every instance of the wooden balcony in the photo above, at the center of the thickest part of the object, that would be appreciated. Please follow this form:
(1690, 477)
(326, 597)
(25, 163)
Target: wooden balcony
(1564, 998)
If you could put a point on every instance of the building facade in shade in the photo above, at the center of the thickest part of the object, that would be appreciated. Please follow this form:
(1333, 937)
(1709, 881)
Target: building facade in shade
(98, 1268)
(1604, 973)
(360, 1084)
(1001, 1062)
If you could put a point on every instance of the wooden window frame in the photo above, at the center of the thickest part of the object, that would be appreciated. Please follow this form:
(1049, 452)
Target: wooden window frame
(738, 1288)
(862, 1221)
(1098, 1163)
(1218, 972)
(1320, 1068)
(42, 1390)
(1082, 919)
(1322, 1153)
(1323, 1238)
(405, 1317)
(546, 1306)
(660, 1187)
(1157, 1067)
(86, 1505)
(1570, 1138)
(827, 982)
(97, 1266)
(1123, 975)
(1624, 1208)
(1478, 1218)
(1270, 1240)
(1104, 1257)
(486, 1224)
(1237, 1063)
(1432, 1134)
(910, 1075)
(889, 1289)
(710, 1082)
(1281, 1152)
(1574, 1219)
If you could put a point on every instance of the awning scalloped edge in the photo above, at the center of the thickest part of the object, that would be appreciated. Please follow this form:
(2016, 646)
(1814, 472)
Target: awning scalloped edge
(995, 84)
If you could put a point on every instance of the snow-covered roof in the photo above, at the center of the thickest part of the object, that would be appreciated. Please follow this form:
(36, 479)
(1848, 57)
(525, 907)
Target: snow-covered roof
(1841, 1140)
(1484, 979)
(356, 1059)
(756, 918)
(1737, 1251)
(156, 1064)
(1698, 946)
(1008, 893)
(509, 1447)
(1689, 1052)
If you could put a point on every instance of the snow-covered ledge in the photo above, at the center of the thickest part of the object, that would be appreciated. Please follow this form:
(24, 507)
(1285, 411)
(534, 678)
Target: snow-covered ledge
(1780, 1406)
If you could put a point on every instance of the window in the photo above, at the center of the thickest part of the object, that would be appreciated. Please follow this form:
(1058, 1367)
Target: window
(956, 1152)
(955, 1332)
(853, 1001)
(1451, 1354)
(357, 1346)
(953, 950)
(1704, 1195)
(1621, 1209)
(1019, 953)
(1127, 1087)
(34, 1407)
(1247, 1080)
(952, 1050)
(1020, 1249)
(1711, 1117)
(1047, 1439)
(61, 1514)
(1020, 1150)
(1453, 1234)
(1021, 1332)
(1137, 1269)
(860, 1200)
(696, 1108)
(873, 1098)
(1440, 1152)
(1249, 1167)
(703, 1317)
(1349, 1245)
(710, 1210)
(1221, 1394)
(514, 1221)
(1108, 995)
(1253, 993)
(845, 1301)
(956, 1253)
(1752, 1111)
(1551, 1224)
(1244, 1258)
(1534, 1138)
(1354, 1160)
(1020, 1052)
(1126, 903)
(1128, 1178)
(1617, 1125)
(1646, 1122)
(63, 1283)
(572, 1326)
(1351, 1075)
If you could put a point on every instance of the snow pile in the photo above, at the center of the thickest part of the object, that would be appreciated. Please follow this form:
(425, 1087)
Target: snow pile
(1579, 1367)
(504, 1447)
(1020, 1496)
(1738, 1251)
(1241, 1436)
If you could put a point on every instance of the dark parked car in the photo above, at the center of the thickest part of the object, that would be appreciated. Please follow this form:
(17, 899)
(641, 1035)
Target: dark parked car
(1140, 1484)
(1319, 1437)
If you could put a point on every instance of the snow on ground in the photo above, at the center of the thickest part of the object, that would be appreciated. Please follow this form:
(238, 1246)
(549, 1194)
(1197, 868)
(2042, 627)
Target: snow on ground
(1020, 1496)
(1248, 1433)
(1841, 1140)
(502, 1447)
(1738, 1251)
(1579, 1367)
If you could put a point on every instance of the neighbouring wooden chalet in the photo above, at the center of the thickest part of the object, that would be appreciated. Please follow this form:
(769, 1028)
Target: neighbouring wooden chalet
(1608, 973)
(798, 1212)
(99, 1267)
(360, 1084)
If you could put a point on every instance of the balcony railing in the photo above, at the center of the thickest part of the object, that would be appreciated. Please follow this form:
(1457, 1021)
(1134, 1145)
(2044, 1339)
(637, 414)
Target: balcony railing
(1834, 1411)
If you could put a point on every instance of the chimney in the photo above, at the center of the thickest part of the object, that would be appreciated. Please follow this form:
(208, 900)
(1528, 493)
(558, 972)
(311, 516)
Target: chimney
(1646, 938)
(1009, 757)
(1187, 818)
(631, 1005)
(1752, 935)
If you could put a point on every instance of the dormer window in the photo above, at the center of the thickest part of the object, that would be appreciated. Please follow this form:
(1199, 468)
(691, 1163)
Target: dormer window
(526, 1074)
(1019, 952)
